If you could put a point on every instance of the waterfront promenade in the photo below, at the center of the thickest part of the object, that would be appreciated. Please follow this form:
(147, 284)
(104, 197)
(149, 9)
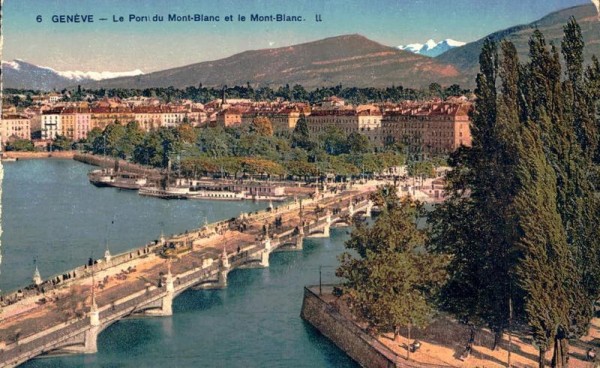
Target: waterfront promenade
(65, 319)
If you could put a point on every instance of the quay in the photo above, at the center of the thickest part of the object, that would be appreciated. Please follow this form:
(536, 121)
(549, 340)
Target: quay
(65, 313)
(121, 174)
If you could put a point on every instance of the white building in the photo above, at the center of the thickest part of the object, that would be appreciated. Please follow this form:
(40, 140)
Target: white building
(171, 119)
(51, 124)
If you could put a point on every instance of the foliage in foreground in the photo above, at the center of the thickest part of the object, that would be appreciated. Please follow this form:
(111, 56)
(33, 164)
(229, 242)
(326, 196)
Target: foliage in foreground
(389, 278)
(520, 223)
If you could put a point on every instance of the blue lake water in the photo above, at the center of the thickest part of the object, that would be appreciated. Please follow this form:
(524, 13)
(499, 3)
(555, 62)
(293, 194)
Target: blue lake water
(51, 212)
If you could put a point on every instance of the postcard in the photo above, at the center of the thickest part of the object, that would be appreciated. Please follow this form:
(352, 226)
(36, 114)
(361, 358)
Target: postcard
(262, 183)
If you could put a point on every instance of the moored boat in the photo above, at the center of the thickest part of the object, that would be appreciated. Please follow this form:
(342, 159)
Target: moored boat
(219, 195)
(102, 177)
(129, 181)
(169, 192)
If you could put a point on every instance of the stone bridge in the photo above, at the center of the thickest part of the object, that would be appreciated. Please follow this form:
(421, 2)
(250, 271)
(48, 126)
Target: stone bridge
(79, 335)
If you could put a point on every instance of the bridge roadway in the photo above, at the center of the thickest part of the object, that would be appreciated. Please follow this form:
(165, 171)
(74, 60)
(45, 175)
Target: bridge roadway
(70, 321)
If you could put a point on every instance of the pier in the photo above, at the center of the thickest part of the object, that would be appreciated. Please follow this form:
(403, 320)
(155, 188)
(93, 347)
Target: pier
(66, 317)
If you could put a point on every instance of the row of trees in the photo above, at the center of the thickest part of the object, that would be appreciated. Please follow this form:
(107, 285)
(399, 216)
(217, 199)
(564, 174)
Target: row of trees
(290, 93)
(517, 241)
(245, 149)
(525, 237)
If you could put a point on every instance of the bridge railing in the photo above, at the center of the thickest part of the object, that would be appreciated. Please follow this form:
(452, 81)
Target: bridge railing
(204, 272)
(117, 309)
(20, 351)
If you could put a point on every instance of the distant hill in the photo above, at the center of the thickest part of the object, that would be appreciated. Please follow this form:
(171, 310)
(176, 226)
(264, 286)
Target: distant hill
(23, 75)
(466, 58)
(350, 60)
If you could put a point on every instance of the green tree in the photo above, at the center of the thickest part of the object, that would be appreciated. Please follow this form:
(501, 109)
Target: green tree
(453, 90)
(334, 141)
(302, 169)
(114, 135)
(385, 197)
(62, 143)
(391, 282)
(229, 165)
(262, 125)
(91, 139)
(339, 166)
(421, 169)
(571, 132)
(20, 145)
(544, 268)
(475, 223)
(215, 142)
(133, 137)
(435, 90)
(301, 135)
(358, 143)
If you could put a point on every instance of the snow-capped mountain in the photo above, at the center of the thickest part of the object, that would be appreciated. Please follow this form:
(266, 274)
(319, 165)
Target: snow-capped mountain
(24, 75)
(432, 48)
(79, 75)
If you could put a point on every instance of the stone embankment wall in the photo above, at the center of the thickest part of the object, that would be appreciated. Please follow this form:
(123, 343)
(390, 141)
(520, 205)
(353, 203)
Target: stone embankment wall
(363, 348)
(109, 162)
(35, 155)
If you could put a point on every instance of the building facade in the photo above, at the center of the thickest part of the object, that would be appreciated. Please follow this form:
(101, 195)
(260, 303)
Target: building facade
(348, 121)
(51, 123)
(229, 117)
(83, 124)
(426, 129)
(15, 126)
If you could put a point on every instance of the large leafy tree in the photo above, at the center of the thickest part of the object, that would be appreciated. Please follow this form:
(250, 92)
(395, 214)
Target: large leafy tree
(520, 221)
(334, 141)
(358, 143)
(474, 224)
(301, 135)
(391, 281)
(214, 142)
(262, 126)
(62, 143)
(545, 267)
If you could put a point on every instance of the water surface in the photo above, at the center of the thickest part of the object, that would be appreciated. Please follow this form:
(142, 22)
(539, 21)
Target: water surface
(51, 212)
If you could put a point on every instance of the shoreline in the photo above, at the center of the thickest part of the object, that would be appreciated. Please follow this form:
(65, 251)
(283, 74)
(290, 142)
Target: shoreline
(443, 342)
(20, 155)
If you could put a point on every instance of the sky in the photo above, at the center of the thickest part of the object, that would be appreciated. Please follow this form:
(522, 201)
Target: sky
(150, 46)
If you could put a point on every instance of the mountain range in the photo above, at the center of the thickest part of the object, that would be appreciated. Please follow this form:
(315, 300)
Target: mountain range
(24, 75)
(350, 60)
(432, 48)
(466, 58)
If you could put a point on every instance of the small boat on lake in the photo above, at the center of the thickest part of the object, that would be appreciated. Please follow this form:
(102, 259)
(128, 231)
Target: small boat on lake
(129, 181)
(215, 192)
(168, 192)
(102, 177)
